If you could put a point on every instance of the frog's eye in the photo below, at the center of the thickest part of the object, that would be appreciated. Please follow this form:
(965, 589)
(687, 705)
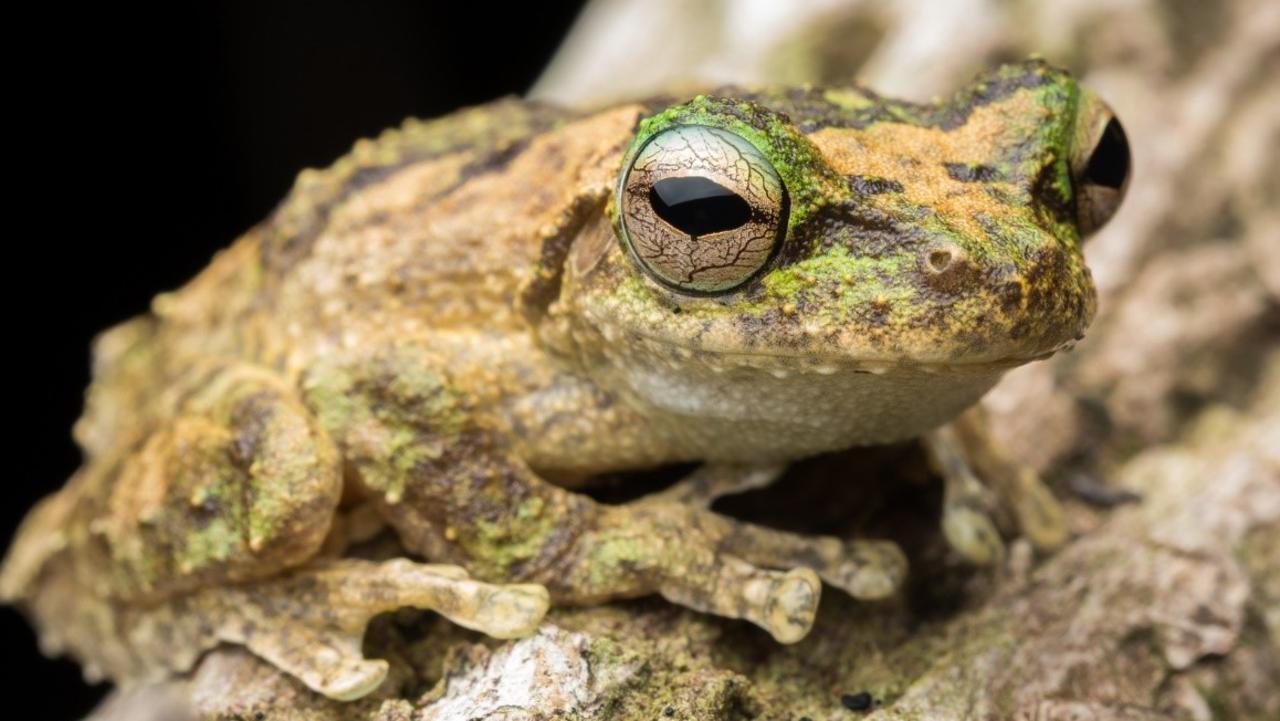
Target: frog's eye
(702, 209)
(1100, 168)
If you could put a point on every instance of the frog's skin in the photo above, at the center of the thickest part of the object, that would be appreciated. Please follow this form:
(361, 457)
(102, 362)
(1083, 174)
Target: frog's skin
(427, 333)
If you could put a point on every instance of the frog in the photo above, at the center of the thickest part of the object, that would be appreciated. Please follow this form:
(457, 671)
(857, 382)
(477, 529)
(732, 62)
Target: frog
(442, 337)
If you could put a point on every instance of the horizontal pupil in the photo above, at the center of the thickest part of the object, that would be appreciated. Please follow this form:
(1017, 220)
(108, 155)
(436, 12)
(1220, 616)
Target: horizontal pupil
(698, 206)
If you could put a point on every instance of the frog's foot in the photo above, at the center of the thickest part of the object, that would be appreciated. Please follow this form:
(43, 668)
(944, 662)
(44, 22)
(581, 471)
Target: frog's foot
(311, 623)
(961, 451)
(864, 569)
(674, 550)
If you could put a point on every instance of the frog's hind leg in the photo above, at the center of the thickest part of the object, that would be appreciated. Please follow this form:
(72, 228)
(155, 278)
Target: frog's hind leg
(961, 450)
(865, 569)
(678, 551)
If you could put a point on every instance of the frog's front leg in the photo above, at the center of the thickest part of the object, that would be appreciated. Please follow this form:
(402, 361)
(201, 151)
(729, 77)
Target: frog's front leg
(980, 481)
(449, 483)
(865, 569)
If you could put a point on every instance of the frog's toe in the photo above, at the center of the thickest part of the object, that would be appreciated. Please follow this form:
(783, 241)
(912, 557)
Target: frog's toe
(510, 611)
(972, 534)
(868, 570)
(981, 479)
(328, 660)
(791, 604)
(782, 603)
(1038, 512)
(342, 677)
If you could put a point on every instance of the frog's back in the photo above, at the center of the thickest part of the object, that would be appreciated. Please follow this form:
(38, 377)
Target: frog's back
(384, 228)
(435, 226)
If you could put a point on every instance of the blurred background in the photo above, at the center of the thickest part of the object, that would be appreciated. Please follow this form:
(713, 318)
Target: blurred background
(145, 141)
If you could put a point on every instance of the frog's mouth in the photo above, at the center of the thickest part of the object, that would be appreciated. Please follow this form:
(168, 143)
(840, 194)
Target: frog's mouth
(781, 363)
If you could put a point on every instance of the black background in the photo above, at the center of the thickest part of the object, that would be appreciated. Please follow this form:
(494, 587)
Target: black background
(141, 141)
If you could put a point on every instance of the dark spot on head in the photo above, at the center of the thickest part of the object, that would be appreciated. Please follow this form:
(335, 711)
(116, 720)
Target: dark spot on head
(282, 251)
(1010, 295)
(994, 88)
(1047, 196)
(868, 185)
(863, 230)
(496, 160)
(966, 173)
(860, 701)
(877, 312)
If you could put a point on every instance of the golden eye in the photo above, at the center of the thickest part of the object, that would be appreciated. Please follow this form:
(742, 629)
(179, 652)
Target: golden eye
(702, 209)
(1100, 164)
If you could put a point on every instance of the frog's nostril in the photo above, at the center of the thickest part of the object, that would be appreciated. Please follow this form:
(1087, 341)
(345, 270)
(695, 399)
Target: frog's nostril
(940, 260)
(946, 267)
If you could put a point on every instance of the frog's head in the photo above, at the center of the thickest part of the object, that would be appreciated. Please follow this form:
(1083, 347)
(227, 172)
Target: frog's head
(839, 230)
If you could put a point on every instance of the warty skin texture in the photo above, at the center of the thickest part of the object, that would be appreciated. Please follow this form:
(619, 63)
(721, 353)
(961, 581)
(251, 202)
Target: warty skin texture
(424, 336)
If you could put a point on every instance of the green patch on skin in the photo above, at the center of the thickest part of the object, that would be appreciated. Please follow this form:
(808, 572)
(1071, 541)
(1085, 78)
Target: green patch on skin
(215, 543)
(616, 555)
(861, 273)
(392, 420)
(329, 392)
(497, 548)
